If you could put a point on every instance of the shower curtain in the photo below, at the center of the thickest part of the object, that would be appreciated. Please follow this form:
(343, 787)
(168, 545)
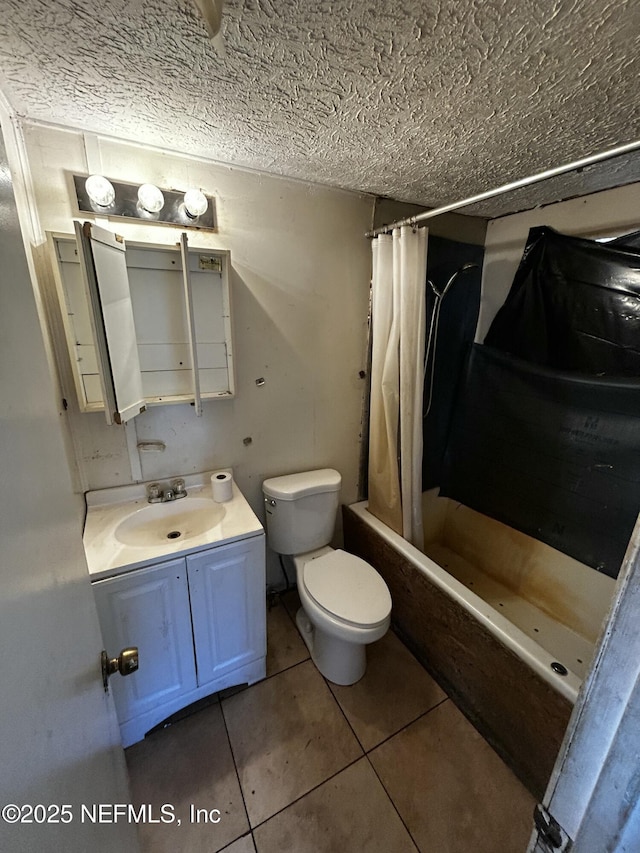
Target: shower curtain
(398, 338)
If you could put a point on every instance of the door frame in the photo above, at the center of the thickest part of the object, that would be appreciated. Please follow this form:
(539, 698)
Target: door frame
(593, 794)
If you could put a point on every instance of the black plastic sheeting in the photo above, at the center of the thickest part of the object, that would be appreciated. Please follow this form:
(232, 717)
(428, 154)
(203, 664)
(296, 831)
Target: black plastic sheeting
(554, 455)
(574, 305)
(628, 241)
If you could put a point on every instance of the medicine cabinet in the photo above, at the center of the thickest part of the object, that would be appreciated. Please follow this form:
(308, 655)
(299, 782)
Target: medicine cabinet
(145, 324)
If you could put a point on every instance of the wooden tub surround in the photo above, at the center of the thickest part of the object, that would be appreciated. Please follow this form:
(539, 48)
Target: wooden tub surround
(510, 703)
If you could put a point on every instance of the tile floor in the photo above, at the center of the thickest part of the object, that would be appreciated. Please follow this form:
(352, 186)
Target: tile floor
(294, 763)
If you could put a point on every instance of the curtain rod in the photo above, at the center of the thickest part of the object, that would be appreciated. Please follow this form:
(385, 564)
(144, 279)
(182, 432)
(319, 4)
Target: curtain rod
(514, 185)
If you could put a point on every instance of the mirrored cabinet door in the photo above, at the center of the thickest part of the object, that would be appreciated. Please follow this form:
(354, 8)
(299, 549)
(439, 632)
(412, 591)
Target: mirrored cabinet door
(176, 337)
(103, 268)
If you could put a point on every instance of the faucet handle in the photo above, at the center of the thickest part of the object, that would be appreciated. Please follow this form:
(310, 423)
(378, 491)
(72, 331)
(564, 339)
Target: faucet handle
(178, 487)
(154, 493)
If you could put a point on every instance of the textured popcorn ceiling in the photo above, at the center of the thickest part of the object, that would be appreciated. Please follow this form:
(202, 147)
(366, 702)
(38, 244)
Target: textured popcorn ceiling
(428, 102)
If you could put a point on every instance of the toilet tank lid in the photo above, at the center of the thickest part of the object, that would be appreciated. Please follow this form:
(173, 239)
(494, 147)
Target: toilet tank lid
(290, 487)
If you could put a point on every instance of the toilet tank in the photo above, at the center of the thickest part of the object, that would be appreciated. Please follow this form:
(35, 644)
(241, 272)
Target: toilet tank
(301, 510)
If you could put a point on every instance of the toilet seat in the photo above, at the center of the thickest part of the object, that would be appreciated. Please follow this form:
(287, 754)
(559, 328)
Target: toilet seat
(347, 588)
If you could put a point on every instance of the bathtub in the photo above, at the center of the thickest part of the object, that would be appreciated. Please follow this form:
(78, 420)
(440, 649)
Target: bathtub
(506, 624)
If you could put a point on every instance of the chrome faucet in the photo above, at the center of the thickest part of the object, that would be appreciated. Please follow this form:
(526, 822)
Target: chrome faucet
(156, 494)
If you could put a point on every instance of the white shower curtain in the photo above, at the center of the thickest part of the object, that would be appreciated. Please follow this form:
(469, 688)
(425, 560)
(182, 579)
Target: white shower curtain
(398, 334)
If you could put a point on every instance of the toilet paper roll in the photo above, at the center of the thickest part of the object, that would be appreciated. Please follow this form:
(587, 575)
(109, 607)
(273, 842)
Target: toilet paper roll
(222, 487)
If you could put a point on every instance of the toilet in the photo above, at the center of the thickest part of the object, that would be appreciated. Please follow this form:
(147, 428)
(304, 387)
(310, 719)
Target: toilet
(345, 602)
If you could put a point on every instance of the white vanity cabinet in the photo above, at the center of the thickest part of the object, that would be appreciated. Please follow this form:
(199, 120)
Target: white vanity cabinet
(198, 622)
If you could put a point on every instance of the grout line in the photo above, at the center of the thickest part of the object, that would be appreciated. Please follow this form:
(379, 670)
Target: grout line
(285, 669)
(393, 734)
(365, 754)
(244, 688)
(333, 775)
(359, 757)
(231, 843)
(310, 791)
(384, 787)
(335, 699)
(410, 723)
(397, 811)
(235, 766)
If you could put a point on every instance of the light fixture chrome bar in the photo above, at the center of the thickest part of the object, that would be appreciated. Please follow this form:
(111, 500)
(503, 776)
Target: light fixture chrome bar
(191, 323)
(514, 185)
(126, 205)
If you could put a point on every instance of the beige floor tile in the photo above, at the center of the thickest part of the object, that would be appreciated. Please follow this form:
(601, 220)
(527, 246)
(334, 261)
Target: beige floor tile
(285, 647)
(452, 790)
(242, 845)
(288, 735)
(350, 813)
(394, 691)
(189, 763)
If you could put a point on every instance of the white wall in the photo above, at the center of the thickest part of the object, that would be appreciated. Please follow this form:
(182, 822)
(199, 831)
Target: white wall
(300, 289)
(602, 214)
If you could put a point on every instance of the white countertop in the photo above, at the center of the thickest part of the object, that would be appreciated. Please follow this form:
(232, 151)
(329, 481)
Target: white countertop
(107, 508)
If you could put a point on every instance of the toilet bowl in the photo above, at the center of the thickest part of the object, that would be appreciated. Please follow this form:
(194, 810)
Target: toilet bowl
(345, 606)
(345, 603)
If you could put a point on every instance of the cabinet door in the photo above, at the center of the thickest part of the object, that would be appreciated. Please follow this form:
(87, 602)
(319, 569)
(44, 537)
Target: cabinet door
(148, 608)
(104, 270)
(228, 606)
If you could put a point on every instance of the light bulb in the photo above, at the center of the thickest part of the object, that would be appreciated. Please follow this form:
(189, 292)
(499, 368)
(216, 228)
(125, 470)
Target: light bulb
(195, 203)
(100, 190)
(150, 198)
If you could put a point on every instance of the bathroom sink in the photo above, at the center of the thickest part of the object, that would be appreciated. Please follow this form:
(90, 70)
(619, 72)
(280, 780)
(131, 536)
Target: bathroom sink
(174, 521)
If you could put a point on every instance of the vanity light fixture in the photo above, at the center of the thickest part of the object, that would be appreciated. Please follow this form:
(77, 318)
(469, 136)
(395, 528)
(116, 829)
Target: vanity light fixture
(95, 194)
(150, 198)
(195, 203)
(100, 190)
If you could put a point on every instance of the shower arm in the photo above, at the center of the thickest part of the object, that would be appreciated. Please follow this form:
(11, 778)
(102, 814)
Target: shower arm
(463, 268)
(433, 329)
